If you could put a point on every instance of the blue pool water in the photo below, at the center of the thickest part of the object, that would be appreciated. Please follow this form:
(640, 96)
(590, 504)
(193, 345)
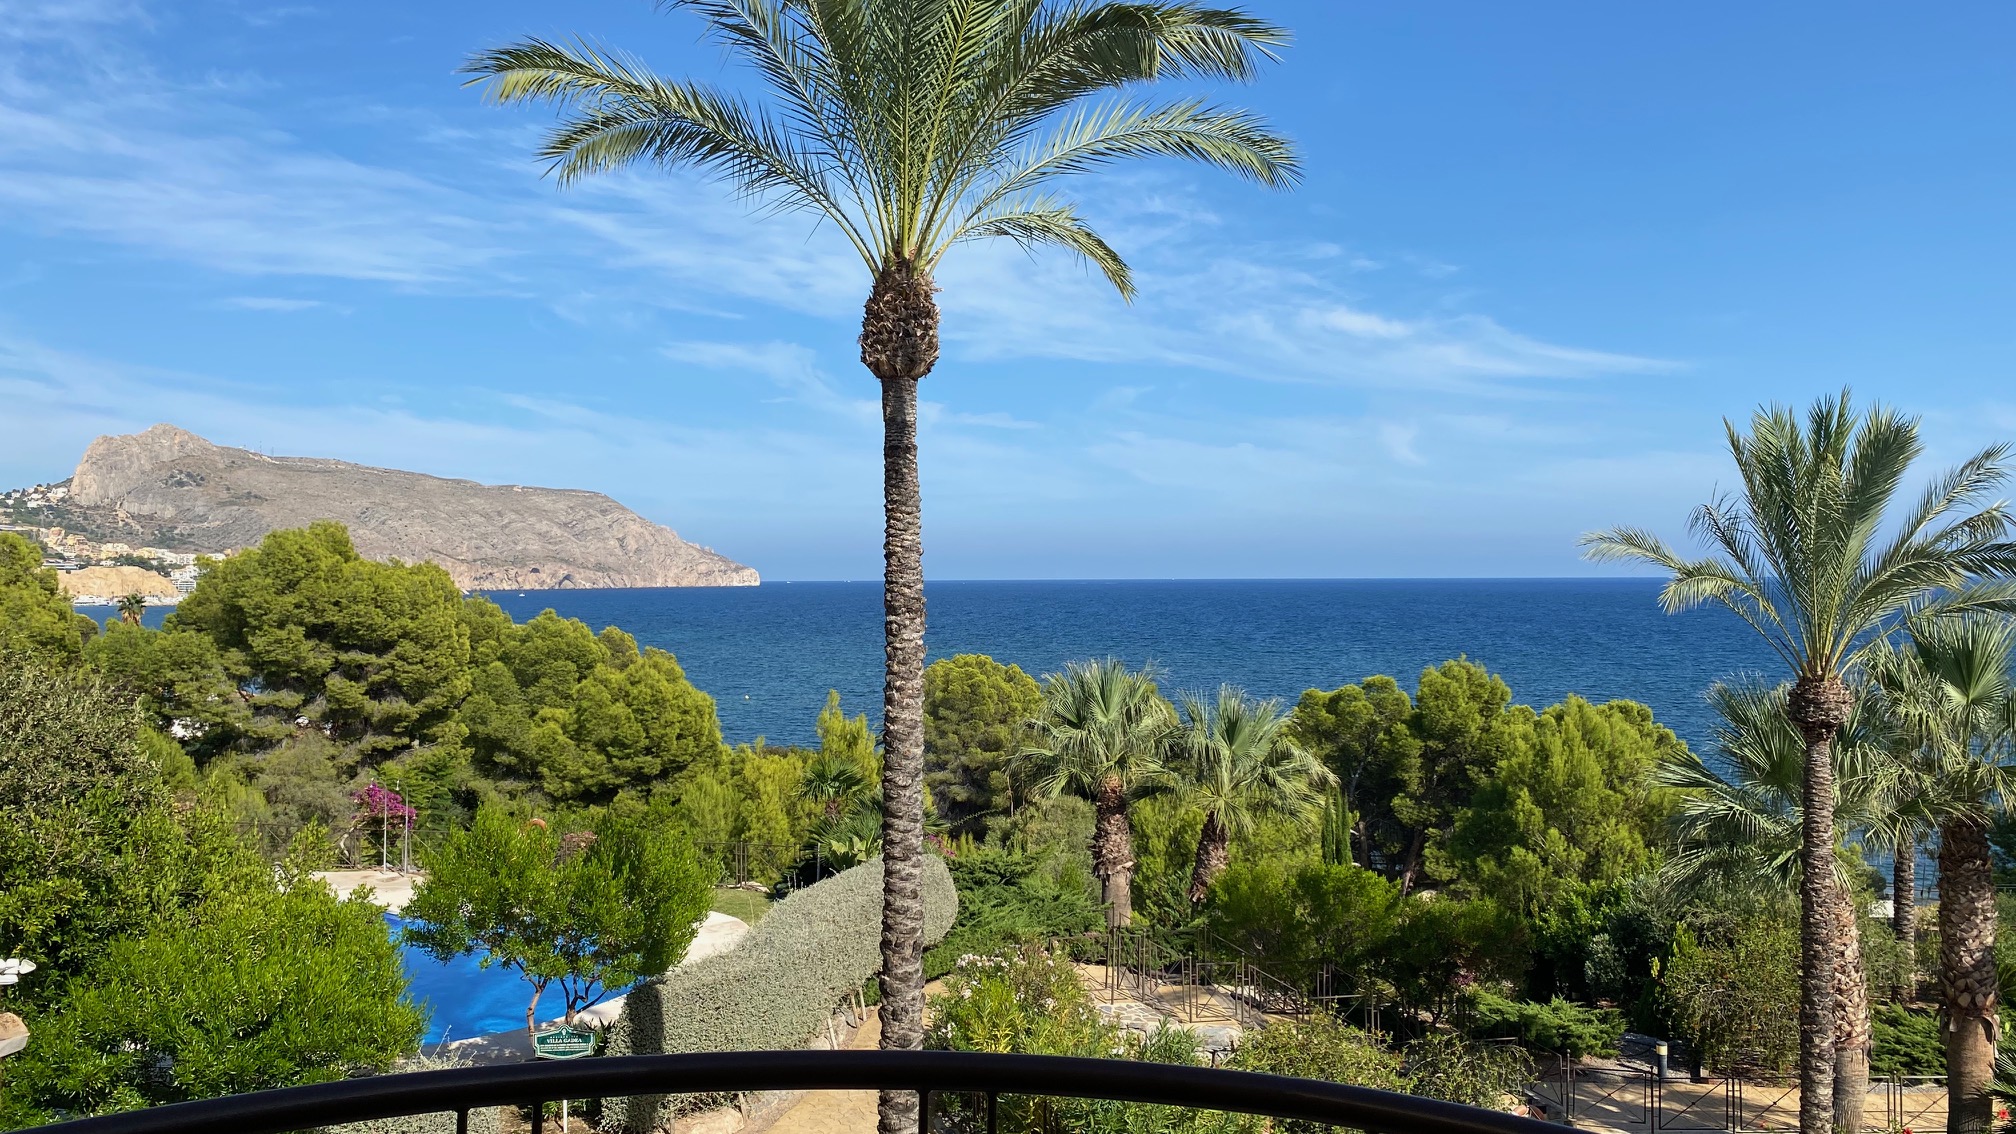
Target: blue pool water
(465, 1000)
(768, 654)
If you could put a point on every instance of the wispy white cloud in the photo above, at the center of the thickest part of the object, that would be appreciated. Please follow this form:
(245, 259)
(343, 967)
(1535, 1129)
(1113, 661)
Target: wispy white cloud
(1398, 441)
(99, 144)
(270, 303)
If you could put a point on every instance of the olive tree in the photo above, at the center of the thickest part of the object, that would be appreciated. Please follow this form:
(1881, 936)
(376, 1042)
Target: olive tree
(592, 911)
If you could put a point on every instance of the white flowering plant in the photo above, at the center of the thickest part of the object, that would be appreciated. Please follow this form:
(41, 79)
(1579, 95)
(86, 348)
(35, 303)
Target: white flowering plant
(1029, 1001)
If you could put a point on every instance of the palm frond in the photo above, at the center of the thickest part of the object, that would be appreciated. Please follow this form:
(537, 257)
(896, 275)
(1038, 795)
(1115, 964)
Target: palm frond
(1047, 221)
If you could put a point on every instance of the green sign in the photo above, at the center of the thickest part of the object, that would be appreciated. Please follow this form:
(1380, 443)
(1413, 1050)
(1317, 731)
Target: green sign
(563, 1043)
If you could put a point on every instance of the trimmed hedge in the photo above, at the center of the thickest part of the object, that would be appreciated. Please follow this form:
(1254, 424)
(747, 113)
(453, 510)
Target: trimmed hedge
(775, 990)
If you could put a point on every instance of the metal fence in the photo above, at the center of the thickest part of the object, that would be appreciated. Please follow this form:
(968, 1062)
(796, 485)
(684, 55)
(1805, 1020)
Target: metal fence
(1634, 1100)
(1204, 979)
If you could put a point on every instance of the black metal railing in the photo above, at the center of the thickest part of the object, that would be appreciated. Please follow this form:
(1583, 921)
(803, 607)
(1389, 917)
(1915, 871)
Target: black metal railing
(929, 1073)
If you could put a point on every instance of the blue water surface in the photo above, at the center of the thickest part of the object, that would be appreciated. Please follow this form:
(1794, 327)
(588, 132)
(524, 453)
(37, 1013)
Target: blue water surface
(465, 1000)
(768, 654)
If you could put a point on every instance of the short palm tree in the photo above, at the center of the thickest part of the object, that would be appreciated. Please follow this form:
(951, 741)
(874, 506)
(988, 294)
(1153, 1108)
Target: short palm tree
(1743, 820)
(909, 127)
(1950, 690)
(1239, 766)
(131, 607)
(1808, 556)
(837, 784)
(1101, 736)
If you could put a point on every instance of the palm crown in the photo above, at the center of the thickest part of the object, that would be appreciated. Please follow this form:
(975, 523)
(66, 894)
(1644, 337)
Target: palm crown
(1101, 734)
(1745, 815)
(1242, 765)
(1802, 555)
(914, 125)
(1949, 693)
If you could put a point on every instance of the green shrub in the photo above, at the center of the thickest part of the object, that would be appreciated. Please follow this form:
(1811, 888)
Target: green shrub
(1443, 1066)
(1032, 1002)
(1028, 1002)
(250, 991)
(1906, 1042)
(774, 991)
(1005, 900)
(1554, 1026)
(1735, 997)
(1321, 1047)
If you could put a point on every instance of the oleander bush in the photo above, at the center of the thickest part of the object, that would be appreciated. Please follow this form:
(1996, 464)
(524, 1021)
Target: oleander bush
(776, 989)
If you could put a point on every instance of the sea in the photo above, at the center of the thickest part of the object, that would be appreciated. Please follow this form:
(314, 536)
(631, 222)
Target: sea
(769, 654)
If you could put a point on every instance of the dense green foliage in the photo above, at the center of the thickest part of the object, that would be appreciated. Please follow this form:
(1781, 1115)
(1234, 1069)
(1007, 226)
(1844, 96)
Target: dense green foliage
(174, 963)
(1007, 900)
(35, 617)
(976, 712)
(580, 716)
(773, 991)
(1735, 996)
(1556, 1026)
(255, 989)
(375, 654)
(179, 677)
(1907, 1042)
(92, 847)
(1572, 805)
(591, 911)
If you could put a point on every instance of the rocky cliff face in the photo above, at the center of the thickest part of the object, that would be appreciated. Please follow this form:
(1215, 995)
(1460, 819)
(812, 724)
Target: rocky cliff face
(167, 487)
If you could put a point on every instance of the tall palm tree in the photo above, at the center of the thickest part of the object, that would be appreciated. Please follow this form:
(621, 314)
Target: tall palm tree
(131, 607)
(911, 126)
(1803, 557)
(1950, 688)
(1240, 766)
(1101, 735)
(1745, 821)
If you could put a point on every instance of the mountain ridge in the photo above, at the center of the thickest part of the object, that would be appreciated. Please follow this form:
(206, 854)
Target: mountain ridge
(167, 487)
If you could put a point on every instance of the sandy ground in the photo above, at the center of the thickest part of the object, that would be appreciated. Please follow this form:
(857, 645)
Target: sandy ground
(835, 1112)
(389, 888)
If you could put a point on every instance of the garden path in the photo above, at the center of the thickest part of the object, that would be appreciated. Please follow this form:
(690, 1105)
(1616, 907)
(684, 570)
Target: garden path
(835, 1112)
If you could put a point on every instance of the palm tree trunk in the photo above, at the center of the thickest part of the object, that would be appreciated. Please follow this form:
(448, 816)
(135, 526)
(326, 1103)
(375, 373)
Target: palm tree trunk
(1852, 1032)
(1113, 853)
(1904, 914)
(1967, 970)
(899, 345)
(1817, 706)
(1213, 849)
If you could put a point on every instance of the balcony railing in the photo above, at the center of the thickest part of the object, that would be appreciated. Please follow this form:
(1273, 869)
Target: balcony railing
(929, 1073)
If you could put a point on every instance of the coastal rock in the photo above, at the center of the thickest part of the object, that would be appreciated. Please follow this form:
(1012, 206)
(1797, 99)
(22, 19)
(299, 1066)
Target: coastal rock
(168, 488)
(116, 582)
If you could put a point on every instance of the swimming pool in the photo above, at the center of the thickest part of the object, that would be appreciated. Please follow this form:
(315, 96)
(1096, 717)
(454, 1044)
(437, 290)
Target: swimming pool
(464, 1000)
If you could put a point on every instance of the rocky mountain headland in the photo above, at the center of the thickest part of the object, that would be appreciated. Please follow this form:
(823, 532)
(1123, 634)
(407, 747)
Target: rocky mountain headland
(170, 489)
(113, 583)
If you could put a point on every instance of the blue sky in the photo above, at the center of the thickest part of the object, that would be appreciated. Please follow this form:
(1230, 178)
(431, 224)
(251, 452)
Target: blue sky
(1541, 251)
